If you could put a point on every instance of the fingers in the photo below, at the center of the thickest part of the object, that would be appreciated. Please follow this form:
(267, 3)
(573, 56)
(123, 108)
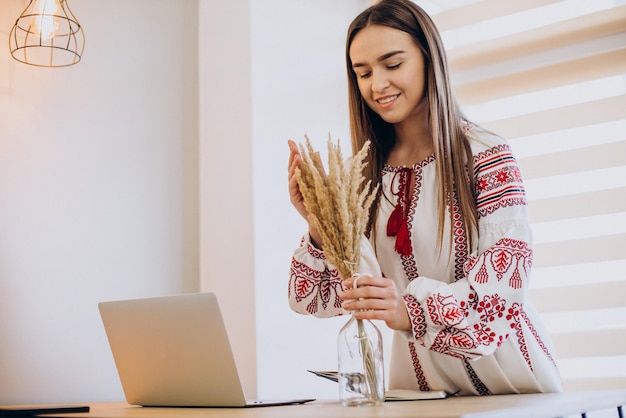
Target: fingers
(295, 196)
(365, 281)
(369, 290)
(294, 156)
(375, 298)
(294, 164)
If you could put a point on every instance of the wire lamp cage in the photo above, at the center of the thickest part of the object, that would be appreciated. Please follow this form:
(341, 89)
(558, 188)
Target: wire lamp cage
(47, 34)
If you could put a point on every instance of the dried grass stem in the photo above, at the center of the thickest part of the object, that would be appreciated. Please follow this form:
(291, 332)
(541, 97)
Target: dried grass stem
(338, 202)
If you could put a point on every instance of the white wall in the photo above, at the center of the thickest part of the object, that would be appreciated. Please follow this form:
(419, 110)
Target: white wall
(298, 87)
(98, 191)
(226, 205)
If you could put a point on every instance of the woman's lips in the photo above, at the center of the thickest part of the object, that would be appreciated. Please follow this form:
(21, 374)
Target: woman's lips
(387, 101)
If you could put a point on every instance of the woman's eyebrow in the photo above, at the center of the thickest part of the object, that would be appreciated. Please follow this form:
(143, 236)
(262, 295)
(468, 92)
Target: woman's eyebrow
(389, 55)
(379, 59)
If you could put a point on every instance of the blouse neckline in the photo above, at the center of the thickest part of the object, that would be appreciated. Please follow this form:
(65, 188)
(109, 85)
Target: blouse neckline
(420, 165)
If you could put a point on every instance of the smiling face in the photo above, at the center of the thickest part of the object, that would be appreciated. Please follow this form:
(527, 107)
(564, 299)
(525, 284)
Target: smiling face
(390, 73)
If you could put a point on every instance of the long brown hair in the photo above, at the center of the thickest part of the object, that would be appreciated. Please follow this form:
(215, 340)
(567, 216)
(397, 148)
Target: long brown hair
(453, 152)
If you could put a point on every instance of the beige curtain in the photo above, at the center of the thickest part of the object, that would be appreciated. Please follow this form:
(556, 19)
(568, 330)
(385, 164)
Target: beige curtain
(555, 89)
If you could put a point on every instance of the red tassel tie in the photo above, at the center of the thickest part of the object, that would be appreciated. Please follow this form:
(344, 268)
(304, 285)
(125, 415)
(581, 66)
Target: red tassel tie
(397, 224)
(395, 221)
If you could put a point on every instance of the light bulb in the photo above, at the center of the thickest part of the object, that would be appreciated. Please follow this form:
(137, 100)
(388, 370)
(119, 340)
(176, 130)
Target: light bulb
(45, 22)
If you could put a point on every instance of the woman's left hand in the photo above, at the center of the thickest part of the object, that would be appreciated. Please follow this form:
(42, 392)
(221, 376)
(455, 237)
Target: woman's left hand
(376, 298)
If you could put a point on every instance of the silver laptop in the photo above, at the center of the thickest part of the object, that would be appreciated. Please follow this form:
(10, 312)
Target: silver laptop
(174, 351)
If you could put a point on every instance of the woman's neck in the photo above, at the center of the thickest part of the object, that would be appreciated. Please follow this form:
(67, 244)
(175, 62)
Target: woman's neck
(414, 142)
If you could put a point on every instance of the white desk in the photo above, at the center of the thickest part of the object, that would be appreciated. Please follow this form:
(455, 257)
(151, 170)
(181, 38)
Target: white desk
(510, 406)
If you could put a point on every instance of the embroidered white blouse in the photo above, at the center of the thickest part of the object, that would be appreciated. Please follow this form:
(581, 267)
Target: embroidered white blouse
(474, 328)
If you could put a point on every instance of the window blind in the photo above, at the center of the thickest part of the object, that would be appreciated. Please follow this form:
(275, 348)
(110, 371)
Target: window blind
(550, 77)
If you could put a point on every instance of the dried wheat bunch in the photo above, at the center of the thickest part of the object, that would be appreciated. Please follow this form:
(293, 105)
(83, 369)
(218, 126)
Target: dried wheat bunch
(338, 202)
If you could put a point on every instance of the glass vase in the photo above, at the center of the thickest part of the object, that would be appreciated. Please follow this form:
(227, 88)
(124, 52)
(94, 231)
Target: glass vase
(361, 366)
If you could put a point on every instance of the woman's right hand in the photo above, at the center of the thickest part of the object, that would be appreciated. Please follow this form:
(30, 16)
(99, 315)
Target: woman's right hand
(295, 196)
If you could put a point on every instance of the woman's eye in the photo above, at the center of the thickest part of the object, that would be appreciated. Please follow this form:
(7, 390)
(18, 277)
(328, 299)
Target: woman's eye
(395, 66)
(364, 75)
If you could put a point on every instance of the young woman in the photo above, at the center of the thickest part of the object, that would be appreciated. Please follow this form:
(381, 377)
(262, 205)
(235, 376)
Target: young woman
(450, 233)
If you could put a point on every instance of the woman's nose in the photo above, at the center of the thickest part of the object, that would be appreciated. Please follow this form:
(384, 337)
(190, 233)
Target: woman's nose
(380, 82)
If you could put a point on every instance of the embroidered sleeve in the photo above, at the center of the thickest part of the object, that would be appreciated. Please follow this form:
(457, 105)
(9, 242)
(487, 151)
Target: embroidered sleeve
(313, 283)
(498, 181)
(476, 314)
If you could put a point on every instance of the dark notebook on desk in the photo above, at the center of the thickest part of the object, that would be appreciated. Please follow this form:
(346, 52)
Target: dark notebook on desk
(174, 351)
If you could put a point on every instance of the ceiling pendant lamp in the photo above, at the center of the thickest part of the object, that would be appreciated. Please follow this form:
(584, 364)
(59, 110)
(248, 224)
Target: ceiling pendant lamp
(47, 34)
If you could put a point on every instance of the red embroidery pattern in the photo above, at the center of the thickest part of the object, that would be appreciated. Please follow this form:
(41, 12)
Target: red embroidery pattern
(537, 337)
(444, 310)
(514, 315)
(409, 264)
(460, 242)
(498, 180)
(454, 342)
(305, 283)
(491, 307)
(416, 313)
(485, 335)
(507, 257)
(313, 251)
(471, 303)
(417, 367)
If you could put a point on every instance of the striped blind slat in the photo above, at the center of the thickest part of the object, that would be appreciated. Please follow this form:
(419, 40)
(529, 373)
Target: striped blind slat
(569, 32)
(587, 250)
(587, 158)
(483, 10)
(566, 72)
(566, 117)
(577, 205)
